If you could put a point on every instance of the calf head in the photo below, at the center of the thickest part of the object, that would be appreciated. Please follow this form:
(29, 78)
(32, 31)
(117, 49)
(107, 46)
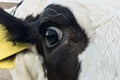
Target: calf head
(57, 37)
(61, 35)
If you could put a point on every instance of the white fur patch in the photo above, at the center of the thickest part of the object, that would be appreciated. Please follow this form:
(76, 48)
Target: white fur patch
(28, 67)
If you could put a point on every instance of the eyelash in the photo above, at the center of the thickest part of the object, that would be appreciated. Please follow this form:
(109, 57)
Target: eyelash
(45, 25)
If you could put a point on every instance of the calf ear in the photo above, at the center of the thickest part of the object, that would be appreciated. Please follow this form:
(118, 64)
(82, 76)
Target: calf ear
(19, 31)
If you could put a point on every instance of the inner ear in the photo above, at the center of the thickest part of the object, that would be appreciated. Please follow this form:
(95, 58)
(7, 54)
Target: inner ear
(19, 30)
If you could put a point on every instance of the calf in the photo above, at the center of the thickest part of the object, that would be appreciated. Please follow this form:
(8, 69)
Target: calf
(75, 39)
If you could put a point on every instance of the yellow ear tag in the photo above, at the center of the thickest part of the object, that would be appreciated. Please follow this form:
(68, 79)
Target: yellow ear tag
(8, 49)
(7, 64)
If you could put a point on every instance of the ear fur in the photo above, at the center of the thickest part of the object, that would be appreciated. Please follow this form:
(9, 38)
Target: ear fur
(19, 31)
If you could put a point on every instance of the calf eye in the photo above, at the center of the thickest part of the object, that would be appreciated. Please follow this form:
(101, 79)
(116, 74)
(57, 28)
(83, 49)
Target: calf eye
(52, 36)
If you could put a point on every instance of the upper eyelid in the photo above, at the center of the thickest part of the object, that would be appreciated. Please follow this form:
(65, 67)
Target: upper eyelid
(48, 24)
(52, 20)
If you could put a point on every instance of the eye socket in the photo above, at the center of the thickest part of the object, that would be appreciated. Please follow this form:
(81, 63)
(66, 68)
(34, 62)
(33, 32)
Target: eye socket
(52, 36)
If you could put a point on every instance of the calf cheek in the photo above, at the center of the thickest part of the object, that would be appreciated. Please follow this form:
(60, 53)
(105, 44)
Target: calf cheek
(63, 62)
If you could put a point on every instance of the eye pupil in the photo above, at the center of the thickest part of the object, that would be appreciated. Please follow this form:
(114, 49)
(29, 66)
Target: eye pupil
(51, 36)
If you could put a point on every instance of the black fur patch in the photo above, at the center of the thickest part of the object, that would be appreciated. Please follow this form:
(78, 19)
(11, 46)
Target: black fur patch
(61, 61)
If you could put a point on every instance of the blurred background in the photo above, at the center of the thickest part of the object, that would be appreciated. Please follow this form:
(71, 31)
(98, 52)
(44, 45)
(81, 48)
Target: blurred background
(8, 3)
